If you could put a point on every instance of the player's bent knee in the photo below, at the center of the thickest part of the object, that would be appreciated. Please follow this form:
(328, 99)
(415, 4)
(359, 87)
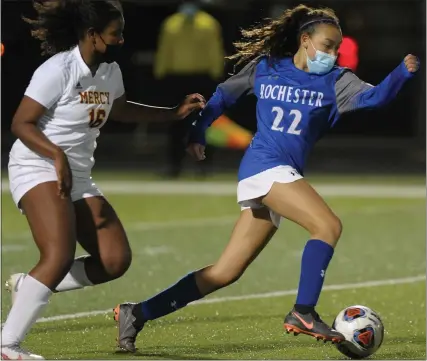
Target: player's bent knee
(335, 228)
(328, 230)
(117, 265)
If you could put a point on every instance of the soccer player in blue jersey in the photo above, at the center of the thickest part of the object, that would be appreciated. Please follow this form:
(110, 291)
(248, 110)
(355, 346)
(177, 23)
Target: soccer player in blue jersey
(301, 94)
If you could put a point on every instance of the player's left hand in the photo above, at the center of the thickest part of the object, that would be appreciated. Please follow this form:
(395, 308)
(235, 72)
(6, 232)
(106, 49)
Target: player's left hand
(197, 151)
(191, 103)
(412, 63)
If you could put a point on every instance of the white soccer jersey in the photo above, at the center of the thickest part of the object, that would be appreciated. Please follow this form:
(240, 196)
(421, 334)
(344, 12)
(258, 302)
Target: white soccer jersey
(78, 104)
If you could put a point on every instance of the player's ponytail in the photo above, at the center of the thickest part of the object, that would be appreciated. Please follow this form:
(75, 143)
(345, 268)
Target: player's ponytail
(60, 24)
(277, 38)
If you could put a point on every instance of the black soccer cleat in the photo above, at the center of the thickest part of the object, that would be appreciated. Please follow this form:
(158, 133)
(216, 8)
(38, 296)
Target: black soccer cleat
(311, 324)
(127, 325)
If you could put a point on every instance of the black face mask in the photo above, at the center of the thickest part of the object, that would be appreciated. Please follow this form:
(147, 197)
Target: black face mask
(112, 52)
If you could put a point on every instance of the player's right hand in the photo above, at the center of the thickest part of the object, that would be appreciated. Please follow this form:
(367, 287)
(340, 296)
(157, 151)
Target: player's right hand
(197, 151)
(63, 172)
(191, 103)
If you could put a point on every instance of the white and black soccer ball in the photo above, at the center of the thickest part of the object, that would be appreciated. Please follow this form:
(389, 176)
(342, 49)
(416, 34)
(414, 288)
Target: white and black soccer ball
(362, 329)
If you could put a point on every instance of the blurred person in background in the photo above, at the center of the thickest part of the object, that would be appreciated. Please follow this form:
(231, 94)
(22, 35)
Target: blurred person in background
(290, 67)
(348, 53)
(190, 55)
(68, 100)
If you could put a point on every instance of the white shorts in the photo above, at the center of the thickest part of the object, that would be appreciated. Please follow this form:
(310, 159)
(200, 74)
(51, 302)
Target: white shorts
(252, 188)
(24, 178)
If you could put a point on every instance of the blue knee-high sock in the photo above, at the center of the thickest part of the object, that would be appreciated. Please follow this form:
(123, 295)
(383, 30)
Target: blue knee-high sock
(172, 298)
(315, 261)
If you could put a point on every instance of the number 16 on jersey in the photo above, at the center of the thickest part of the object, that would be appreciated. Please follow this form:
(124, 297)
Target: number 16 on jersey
(278, 125)
(96, 117)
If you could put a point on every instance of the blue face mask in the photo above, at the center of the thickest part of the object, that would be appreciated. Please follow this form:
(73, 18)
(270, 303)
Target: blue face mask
(322, 62)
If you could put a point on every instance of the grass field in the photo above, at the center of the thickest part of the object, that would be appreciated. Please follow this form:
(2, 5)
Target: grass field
(172, 234)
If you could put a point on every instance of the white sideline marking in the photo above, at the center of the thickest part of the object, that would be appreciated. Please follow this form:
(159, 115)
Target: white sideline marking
(345, 286)
(230, 188)
(183, 223)
(154, 251)
(12, 248)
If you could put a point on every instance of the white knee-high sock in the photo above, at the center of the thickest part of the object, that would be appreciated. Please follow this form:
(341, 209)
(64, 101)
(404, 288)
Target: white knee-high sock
(30, 301)
(73, 280)
(76, 278)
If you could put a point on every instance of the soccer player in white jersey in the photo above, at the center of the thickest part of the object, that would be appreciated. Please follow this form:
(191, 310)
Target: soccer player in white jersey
(69, 98)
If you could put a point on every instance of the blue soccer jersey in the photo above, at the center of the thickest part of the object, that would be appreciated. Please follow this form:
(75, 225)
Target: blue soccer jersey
(294, 108)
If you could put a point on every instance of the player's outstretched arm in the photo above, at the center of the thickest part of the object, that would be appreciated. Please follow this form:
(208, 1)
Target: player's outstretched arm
(131, 112)
(353, 93)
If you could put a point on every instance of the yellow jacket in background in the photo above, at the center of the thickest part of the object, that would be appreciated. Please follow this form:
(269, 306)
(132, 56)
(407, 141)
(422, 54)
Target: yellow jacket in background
(190, 46)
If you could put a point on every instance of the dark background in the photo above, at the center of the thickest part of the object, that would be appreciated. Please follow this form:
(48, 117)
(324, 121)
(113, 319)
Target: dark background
(386, 140)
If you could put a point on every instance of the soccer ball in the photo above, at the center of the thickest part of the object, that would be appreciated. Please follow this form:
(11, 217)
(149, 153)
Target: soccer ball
(363, 331)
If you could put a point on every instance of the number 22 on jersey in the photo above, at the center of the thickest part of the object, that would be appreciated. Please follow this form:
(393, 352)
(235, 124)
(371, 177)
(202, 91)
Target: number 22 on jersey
(96, 117)
(293, 128)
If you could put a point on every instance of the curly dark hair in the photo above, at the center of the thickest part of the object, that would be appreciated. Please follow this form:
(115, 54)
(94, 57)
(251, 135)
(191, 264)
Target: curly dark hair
(60, 24)
(280, 37)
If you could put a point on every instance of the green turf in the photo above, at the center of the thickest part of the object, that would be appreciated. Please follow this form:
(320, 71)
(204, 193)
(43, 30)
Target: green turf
(250, 329)
(382, 239)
